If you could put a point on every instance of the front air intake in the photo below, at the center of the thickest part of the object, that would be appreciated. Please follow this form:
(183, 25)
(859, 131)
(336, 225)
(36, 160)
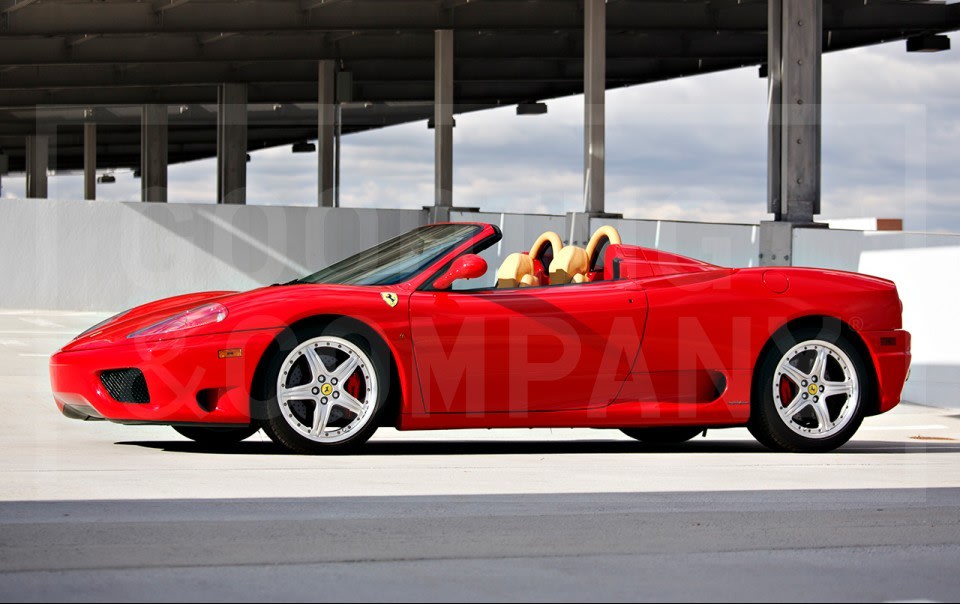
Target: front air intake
(126, 385)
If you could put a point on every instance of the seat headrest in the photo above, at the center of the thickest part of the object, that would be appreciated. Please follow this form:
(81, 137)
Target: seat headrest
(514, 268)
(567, 263)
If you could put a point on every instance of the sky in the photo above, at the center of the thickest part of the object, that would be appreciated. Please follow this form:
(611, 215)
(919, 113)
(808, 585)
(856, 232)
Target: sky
(686, 149)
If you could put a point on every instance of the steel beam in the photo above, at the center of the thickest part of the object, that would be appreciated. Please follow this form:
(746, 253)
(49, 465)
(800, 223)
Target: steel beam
(79, 18)
(594, 103)
(519, 47)
(90, 161)
(232, 144)
(443, 119)
(10, 6)
(38, 162)
(153, 153)
(326, 132)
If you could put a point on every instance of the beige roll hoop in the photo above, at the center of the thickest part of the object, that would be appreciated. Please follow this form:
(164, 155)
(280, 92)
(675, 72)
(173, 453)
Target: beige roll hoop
(604, 235)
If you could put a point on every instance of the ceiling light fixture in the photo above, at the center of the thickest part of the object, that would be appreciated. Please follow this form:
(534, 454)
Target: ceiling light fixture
(532, 109)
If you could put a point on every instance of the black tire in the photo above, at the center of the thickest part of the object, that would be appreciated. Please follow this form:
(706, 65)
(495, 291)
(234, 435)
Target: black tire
(279, 429)
(218, 437)
(662, 436)
(766, 423)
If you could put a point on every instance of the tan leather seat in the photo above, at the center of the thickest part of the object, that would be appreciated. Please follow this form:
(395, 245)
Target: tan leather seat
(570, 265)
(514, 270)
(518, 270)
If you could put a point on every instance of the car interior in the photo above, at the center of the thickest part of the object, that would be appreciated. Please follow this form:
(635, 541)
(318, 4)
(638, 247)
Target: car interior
(549, 262)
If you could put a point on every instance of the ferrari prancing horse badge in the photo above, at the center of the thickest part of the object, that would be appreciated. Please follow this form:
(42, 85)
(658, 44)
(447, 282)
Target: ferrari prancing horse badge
(390, 298)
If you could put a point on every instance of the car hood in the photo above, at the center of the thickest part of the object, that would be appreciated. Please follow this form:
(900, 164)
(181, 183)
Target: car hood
(120, 326)
(261, 308)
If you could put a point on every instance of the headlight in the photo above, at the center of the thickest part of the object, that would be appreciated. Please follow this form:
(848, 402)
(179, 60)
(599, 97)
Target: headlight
(101, 324)
(195, 317)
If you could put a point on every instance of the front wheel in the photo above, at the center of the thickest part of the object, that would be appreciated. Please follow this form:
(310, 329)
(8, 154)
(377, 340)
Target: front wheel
(324, 394)
(218, 437)
(811, 392)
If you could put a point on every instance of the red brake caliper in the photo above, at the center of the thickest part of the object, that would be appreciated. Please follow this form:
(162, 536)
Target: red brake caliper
(353, 385)
(787, 391)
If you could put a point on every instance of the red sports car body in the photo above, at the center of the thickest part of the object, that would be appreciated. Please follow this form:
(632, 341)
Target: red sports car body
(653, 343)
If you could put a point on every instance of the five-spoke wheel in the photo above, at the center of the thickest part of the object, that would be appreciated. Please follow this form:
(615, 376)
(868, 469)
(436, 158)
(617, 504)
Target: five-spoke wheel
(325, 393)
(811, 392)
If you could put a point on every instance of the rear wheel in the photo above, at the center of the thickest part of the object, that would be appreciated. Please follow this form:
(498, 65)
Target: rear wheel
(324, 395)
(662, 436)
(811, 392)
(217, 436)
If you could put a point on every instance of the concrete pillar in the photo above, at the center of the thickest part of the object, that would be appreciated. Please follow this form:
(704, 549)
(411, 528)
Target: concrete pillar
(443, 119)
(794, 71)
(326, 131)
(38, 161)
(90, 161)
(153, 153)
(232, 144)
(594, 99)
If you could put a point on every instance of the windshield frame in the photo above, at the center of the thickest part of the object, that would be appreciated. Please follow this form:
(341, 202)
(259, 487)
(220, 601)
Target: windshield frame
(479, 233)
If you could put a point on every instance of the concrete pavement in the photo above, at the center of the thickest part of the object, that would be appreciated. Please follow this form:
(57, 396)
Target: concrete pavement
(106, 512)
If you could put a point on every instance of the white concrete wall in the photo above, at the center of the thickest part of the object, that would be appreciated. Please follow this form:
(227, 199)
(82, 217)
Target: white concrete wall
(87, 255)
(925, 268)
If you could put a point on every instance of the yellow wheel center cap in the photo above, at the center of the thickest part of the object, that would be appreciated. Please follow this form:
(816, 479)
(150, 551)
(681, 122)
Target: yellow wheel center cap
(326, 390)
(812, 389)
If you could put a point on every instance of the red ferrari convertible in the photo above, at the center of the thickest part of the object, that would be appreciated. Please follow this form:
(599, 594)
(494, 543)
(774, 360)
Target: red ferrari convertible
(659, 346)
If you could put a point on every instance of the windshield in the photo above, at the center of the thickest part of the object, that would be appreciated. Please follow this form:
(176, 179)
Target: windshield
(398, 259)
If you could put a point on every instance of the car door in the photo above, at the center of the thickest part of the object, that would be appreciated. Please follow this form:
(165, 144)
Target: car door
(525, 350)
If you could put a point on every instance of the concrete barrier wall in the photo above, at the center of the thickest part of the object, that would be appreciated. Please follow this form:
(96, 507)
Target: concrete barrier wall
(108, 256)
(88, 255)
(925, 268)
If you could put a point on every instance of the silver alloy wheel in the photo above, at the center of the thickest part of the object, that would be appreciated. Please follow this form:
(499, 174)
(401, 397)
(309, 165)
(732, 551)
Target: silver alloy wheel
(816, 407)
(312, 389)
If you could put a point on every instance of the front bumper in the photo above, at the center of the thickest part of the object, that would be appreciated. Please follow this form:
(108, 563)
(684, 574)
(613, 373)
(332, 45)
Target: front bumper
(187, 381)
(890, 352)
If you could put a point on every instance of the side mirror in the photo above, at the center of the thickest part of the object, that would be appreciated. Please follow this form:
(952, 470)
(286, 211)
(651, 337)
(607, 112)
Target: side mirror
(468, 266)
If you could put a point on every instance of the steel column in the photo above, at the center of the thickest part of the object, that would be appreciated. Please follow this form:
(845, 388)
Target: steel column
(90, 161)
(774, 99)
(443, 118)
(336, 156)
(153, 153)
(326, 132)
(794, 49)
(232, 144)
(795, 52)
(594, 99)
(38, 160)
